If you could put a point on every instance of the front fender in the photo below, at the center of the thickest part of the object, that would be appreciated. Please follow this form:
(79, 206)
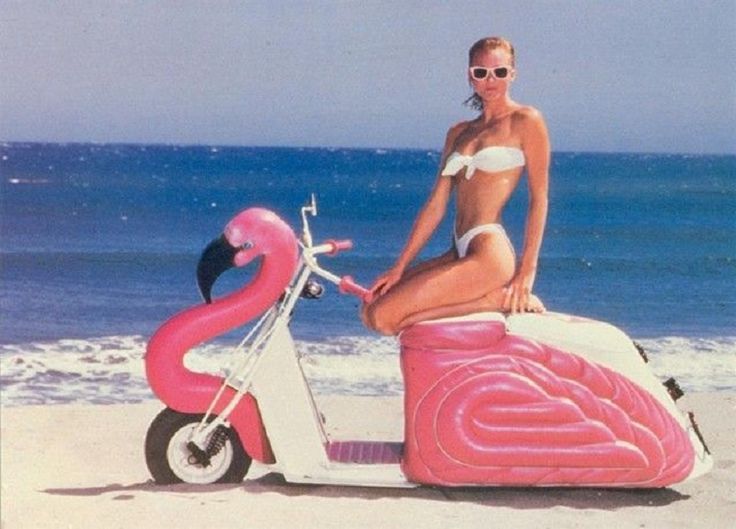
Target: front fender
(246, 420)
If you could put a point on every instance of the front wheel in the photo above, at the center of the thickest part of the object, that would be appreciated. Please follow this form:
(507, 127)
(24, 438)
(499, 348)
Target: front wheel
(172, 457)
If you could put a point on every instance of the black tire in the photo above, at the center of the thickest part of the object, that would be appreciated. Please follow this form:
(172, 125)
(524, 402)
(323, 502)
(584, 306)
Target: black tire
(170, 461)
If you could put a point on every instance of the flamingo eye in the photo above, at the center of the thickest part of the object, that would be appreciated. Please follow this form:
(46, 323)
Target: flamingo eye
(247, 245)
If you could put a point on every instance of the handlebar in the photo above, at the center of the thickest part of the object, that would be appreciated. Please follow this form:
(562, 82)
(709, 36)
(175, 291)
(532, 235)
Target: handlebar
(337, 246)
(349, 286)
(330, 247)
(346, 284)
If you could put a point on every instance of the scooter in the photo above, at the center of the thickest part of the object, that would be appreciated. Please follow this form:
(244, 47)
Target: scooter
(489, 400)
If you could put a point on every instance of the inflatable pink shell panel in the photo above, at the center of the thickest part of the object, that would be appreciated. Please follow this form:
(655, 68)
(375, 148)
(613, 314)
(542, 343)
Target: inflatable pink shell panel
(484, 407)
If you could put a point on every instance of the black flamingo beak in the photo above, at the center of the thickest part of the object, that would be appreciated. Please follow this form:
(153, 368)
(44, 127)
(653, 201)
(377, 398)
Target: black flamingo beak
(215, 259)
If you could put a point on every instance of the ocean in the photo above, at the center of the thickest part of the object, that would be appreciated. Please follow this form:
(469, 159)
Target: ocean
(99, 244)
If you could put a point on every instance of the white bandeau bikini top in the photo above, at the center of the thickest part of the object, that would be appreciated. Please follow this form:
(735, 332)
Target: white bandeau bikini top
(490, 159)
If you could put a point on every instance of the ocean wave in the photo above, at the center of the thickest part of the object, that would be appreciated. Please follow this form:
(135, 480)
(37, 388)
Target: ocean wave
(699, 364)
(110, 370)
(28, 181)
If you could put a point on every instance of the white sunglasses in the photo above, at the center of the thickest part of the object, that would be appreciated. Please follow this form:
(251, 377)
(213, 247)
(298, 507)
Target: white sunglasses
(480, 73)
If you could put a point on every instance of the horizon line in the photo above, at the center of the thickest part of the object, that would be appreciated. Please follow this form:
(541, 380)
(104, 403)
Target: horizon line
(4, 142)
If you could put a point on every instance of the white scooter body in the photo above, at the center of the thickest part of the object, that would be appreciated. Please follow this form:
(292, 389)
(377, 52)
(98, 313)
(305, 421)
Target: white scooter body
(295, 426)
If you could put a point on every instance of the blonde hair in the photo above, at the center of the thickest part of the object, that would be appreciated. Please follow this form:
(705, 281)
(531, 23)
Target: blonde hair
(487, 44)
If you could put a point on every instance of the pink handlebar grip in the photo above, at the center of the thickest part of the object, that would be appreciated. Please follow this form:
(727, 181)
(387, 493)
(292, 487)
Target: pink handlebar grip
(345, 244)
(349, 286)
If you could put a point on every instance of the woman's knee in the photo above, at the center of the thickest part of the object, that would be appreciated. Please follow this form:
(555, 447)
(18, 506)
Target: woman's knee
(374, 317)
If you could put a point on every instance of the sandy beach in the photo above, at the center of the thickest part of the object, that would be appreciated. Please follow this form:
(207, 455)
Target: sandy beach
(82, 466)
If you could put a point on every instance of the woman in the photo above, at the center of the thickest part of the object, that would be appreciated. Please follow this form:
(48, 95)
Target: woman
(482, 161)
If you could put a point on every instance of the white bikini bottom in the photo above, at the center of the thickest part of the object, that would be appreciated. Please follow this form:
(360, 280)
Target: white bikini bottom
(462, 243)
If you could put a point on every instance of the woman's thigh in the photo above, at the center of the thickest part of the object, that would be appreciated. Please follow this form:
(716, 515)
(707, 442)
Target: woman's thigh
(488, 266)
(447, 257)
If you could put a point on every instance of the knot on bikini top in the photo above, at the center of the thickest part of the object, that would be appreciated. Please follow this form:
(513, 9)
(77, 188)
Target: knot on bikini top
(489, 159)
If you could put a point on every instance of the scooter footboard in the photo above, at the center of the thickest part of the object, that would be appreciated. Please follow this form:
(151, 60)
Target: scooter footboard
(484, 407)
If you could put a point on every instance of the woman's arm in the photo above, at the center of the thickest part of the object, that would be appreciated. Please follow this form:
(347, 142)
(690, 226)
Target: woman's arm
(535, 143)
(426, 222)
(429, 217)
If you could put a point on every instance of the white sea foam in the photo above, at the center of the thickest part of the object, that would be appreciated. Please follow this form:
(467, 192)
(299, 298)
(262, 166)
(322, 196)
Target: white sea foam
(111, 369)
(701, 364)
(28, 181)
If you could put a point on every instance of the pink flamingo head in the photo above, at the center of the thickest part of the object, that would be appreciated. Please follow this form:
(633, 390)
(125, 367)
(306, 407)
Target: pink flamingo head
(251, 233)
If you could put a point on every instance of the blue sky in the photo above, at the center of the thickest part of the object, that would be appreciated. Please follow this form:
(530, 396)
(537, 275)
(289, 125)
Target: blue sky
(653, 76)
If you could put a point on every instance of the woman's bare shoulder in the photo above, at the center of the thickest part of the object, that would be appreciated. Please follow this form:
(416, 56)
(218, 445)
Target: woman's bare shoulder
(455, 131)
(532, 130)
(458, 128)
(529, 122)
(528, 114)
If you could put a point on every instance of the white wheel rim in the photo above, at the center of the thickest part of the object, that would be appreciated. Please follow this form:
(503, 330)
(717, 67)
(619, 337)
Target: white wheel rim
(179, 458)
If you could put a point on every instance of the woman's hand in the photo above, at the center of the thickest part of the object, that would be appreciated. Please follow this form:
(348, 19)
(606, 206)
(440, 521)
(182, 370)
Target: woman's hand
(519, 297)
(386, 280)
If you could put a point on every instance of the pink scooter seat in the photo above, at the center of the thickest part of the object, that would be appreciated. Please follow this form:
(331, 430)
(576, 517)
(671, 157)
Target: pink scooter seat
(484, 406)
